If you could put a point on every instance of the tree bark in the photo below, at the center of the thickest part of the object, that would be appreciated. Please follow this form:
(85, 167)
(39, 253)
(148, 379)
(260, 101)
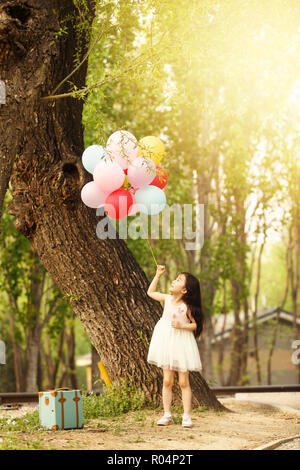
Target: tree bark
(255, 335)
(32, 354)
(208, 293)
(237, 338)
(220, 345)
(271, 348)
(239, 284)
(34, 328)
(103, 281)
(17, 350)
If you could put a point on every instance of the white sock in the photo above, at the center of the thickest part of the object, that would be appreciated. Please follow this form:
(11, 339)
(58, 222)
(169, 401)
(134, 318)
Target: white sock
(186, 415)
(168, 414)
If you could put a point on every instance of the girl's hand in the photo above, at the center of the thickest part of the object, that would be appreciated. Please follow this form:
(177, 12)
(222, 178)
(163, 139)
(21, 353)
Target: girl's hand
(175, 323)
(160, 270)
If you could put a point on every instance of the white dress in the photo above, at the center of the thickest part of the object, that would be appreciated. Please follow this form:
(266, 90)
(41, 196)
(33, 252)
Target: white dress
(172, 347)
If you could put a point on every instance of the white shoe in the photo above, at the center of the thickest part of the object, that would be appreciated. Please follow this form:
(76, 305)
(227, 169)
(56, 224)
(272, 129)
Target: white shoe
(165, 420)
(187, 422)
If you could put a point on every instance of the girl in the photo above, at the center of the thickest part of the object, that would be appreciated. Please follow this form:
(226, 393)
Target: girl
(173, 344)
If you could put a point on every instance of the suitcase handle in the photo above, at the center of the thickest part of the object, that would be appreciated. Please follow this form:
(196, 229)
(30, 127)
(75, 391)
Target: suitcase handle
(58, 389)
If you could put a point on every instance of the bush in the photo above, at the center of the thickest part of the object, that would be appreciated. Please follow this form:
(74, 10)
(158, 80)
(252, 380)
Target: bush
(114, 400)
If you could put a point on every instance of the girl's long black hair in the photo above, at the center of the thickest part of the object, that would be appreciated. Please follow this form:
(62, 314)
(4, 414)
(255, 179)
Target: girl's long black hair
(193, 299)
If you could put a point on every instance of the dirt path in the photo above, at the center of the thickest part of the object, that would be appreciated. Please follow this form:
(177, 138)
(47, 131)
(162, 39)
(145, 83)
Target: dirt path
(251, 425)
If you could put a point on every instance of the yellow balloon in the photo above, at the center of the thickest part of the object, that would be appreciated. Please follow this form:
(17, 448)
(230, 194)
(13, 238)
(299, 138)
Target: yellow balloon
(151, 147)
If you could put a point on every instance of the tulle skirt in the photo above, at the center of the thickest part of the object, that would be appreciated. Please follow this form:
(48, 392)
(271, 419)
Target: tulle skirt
(174, 348)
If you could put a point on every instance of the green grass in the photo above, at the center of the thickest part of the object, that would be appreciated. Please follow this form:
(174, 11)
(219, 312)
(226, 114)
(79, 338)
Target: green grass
(200, 409)
(12, 442)
(115, 400)
(29, 423)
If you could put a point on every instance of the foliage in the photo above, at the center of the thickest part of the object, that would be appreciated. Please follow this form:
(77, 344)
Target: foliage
(115, 400)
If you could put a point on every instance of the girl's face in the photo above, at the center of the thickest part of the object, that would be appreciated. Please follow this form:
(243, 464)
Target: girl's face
(178, 285)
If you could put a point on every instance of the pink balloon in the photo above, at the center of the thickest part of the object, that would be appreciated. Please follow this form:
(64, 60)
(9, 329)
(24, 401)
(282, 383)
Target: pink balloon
(108, 176)
(122, 148)
(92, 196)
(141, 172)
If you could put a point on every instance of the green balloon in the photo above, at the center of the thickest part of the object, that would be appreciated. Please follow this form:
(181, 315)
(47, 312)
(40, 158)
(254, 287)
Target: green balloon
(151, 199)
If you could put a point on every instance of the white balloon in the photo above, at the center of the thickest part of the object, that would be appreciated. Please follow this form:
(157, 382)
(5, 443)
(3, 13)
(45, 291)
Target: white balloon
(93, 155)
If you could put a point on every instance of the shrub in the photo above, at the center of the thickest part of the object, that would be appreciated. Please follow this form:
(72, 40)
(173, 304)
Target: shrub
(114, 400)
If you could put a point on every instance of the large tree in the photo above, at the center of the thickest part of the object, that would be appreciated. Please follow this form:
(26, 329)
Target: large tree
(41, 147)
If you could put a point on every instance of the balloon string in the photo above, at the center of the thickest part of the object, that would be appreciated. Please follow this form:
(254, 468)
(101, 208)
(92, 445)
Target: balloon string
(150, 247)
(152, 251)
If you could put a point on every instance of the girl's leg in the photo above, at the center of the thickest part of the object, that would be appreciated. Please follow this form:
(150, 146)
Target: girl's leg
(167, 389)
(186, 391)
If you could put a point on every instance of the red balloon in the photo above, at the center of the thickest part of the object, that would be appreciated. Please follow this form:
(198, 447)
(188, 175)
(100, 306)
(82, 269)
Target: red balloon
(160, 179)
(118, 203)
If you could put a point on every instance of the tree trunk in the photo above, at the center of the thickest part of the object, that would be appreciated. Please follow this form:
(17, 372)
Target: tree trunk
(244, 372)
(271, 349)
(208, 289)
(52, 364)
(70, 340)
(220, 345)
(103, 281)
(236, 337)
(255, 332)
(239, 293)
(34, 329)
(205, 349)
(32, 355)
(17, 350)
(40, 376)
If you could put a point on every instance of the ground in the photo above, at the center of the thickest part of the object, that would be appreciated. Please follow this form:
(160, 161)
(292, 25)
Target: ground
(250, 426)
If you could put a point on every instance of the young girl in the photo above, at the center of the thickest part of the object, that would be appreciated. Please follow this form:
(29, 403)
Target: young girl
(173, 344)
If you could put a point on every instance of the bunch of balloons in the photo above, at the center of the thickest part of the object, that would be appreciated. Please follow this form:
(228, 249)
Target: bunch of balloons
(126, 175)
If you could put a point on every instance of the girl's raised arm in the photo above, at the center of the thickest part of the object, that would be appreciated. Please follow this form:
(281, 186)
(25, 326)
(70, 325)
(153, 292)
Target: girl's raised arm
(152, 288)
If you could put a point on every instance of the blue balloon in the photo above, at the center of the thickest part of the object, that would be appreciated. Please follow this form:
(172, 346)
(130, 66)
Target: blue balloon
(93, 155)
(150, 199)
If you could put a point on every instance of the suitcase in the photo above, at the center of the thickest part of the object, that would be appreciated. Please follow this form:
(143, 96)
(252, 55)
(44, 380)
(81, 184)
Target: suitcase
(61, 408)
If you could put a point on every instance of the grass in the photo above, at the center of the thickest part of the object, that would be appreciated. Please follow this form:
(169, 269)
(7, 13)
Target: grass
(12, 442)
(29, 423)
(115, 400)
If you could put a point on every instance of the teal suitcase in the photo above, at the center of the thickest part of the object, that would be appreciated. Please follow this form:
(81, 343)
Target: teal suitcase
(61, 409)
